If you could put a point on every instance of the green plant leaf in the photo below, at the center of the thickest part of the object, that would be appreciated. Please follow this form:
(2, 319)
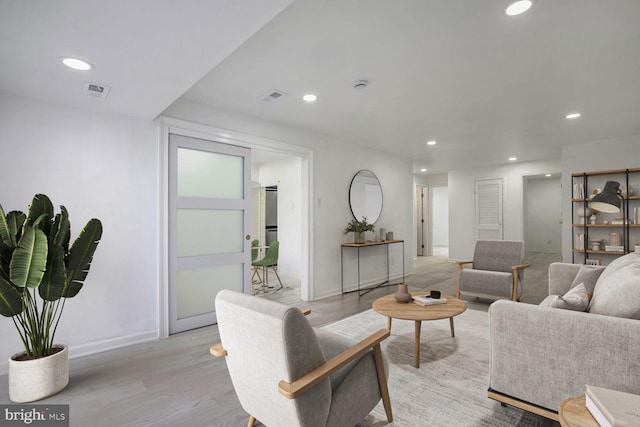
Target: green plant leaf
(52, 285)
(16, 220)
(80, 255)
(10, 226)
(10, 299)
(61, 232)
(5, 235)
(40, 213)
(29, 259)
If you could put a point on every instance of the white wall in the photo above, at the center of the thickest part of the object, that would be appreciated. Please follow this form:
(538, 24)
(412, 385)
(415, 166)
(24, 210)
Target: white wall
(543, 213)
(97, 166)
(286, 174)
(462, 203)
(618, 153)
(334, 164)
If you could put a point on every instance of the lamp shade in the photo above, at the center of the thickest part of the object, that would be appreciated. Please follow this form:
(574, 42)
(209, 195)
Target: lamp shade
(609, 200)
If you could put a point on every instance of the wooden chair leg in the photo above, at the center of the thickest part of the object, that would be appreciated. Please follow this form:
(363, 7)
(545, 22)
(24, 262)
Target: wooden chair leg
(265, 276)
(252, 421)
(514, 294)
(277, 275)
(382, 381)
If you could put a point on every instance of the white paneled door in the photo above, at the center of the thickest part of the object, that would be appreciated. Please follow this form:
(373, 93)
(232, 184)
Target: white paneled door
(488, 209)
(209, 241)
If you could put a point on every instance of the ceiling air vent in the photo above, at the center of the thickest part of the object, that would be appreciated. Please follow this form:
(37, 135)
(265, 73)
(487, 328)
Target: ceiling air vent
(272, 95)
(96, 90)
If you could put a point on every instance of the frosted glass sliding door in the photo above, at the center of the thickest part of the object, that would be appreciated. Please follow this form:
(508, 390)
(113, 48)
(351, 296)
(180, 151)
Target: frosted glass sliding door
(208, 227)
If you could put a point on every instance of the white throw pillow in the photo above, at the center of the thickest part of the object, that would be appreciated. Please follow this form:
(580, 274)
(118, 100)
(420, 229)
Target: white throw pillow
(576, 299)
(619, 294)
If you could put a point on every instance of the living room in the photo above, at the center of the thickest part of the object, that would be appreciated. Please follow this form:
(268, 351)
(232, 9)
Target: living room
(106, 158)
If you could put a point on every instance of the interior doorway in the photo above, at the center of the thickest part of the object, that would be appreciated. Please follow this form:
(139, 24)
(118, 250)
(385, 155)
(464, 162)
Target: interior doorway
(542, 214)
(440, 221)
(422, 220)
(277, 197)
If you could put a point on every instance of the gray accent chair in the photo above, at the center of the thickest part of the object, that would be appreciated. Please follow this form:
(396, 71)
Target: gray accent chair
(497, 270)
(287, 373)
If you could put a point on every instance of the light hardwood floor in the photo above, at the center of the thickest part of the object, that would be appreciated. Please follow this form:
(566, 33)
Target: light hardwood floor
(176, 382)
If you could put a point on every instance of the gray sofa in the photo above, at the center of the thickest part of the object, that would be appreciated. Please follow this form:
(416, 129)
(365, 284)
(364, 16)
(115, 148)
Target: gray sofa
(541, 355)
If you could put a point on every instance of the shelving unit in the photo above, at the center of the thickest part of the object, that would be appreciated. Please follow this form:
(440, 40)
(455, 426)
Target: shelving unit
(583, 186)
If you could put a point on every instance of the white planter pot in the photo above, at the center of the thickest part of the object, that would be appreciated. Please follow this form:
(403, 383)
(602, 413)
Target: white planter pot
(32, 380)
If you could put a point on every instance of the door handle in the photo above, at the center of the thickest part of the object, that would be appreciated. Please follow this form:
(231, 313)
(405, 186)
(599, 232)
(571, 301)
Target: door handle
(247, 237)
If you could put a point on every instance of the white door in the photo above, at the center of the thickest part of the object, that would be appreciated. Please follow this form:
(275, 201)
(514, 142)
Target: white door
(209, 244)
(488, 209)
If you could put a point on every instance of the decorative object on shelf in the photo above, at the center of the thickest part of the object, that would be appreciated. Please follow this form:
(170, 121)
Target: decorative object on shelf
(592, 219)
(592, 261)
(609, 200)
(636, 216)
(402, 296)
(583, 213)
(358, 228)
(595, 243)
(39, 270)
(614, 239)
(383, 234)
(389, 235)
(624, 192)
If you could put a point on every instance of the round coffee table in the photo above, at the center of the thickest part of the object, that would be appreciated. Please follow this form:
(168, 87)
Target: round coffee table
(388, 306)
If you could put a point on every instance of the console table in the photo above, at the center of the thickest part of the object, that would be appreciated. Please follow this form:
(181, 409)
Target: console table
(358, 247)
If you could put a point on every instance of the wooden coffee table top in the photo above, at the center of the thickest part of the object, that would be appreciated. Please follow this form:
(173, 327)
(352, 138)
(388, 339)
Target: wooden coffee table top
(388, 306)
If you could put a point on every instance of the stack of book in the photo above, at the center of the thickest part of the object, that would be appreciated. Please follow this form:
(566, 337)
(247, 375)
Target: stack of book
(612, 408)
(427, 300)
(614, 248)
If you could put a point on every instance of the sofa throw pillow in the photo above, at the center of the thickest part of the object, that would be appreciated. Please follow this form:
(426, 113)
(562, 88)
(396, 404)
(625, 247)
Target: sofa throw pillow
(617, 264)
(587, 275)
(575, 299)
(619, 294)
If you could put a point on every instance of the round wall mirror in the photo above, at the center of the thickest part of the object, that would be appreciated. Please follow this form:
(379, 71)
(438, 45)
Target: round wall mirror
(365, 196)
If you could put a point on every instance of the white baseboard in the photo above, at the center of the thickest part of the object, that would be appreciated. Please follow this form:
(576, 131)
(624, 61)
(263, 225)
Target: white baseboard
(100, 346)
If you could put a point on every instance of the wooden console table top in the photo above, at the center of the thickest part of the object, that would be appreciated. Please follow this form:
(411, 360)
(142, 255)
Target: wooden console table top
(381, 242)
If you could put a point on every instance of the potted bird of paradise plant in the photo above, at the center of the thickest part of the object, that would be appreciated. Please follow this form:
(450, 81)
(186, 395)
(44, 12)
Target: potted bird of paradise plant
(39, 271)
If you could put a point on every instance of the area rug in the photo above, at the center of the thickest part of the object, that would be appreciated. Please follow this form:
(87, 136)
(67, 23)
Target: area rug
(450, 387)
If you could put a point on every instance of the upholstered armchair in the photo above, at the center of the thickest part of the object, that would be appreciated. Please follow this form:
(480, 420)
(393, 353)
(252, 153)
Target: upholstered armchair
(497, 270)
(287, 373)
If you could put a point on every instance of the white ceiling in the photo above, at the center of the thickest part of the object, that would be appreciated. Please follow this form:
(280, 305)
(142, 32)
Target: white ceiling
(484, 85)
(148, 51)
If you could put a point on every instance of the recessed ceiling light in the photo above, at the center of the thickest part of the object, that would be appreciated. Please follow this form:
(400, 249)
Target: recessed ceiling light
(423, 170)
(432, 142)
(309, 97)
(518, 7)
(548, 175)
(512, 159)
(573, 115)
(76, 64)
